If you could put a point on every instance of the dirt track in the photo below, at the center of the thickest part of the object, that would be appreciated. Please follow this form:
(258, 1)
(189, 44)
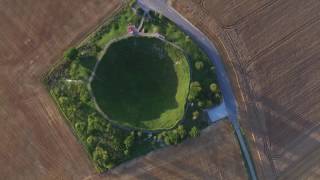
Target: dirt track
(36, 142)
(271, 50)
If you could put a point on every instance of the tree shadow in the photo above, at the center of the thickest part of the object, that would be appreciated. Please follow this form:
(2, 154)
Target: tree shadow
(88, 62)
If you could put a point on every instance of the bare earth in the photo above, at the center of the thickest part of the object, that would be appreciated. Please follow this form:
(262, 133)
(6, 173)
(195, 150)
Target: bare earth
(213, 155)
(271, 49)
(36, 142)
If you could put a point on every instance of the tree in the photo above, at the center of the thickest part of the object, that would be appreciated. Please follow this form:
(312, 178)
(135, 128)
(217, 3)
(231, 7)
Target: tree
(101, 157)
(71, 54)
(160, 136)
(181, 132)
(94, 124)
(200, 104)
(195, 115)
(92, 142)
(140, 11)
(80, 128)
(194, 132)
(195, 89)
(128, 142)
(64, 101)
(199, 65)
(171, 137)
(84, 95)
(214, 88)
(209, 103)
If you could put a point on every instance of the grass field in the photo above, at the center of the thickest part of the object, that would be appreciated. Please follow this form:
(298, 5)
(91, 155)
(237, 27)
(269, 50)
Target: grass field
(143, 83)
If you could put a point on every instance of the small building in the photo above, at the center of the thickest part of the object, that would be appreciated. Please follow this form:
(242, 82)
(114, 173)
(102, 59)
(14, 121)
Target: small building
(131, 29)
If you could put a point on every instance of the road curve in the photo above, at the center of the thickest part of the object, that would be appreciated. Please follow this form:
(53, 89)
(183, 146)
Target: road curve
(209, 48)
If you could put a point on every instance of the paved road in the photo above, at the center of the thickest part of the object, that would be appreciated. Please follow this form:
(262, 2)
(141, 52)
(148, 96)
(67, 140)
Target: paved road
(209, 48)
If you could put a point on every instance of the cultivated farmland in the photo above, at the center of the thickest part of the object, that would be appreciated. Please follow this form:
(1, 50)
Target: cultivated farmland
(36, 142)
(213, 155)
(271, 51)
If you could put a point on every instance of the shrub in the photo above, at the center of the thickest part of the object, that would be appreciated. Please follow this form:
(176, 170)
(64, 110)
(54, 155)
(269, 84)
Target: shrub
(140, 11)
(195, 89)
(209, 103)
(194, 132)
(71, 54)
(128, 142)
(181, 132)
(139, 133)
(195, 115)
(94, 125)
(199, 65)
(91, 141)
(200, 104)
(214, 88)
(100, 156)
(171, 137)
(80, 128)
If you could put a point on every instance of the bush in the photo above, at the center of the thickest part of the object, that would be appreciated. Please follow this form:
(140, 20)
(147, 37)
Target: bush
(181, 132)
(140, 11)
(194, 132)
(195, 115)
(195, 89)
(80, 128)
(139, 133)
(199, 65)
(209, 103)
(71, 54)
(100, 156)
(171, 137)
(128, 142)
(200, 104)
(214, 88)
(94, 125)
(91, 141)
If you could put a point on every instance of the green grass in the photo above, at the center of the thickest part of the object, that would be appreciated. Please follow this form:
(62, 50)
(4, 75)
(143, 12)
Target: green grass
(118, 27)
(143, 83)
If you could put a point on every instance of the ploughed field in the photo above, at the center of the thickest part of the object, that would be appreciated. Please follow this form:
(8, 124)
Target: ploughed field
(271, 49)
(36, 142)
(142, 83)
(214, 155)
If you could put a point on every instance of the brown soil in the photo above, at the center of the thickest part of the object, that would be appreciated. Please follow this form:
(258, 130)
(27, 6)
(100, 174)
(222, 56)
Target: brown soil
(213, 155)
(271, 51)
(36, 142)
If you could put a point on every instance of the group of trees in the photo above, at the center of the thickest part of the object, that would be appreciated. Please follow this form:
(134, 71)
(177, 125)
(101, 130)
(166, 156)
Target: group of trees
(177, 135)
(106, 144)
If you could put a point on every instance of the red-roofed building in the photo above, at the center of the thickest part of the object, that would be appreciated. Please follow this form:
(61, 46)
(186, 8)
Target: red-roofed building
(131, 29)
